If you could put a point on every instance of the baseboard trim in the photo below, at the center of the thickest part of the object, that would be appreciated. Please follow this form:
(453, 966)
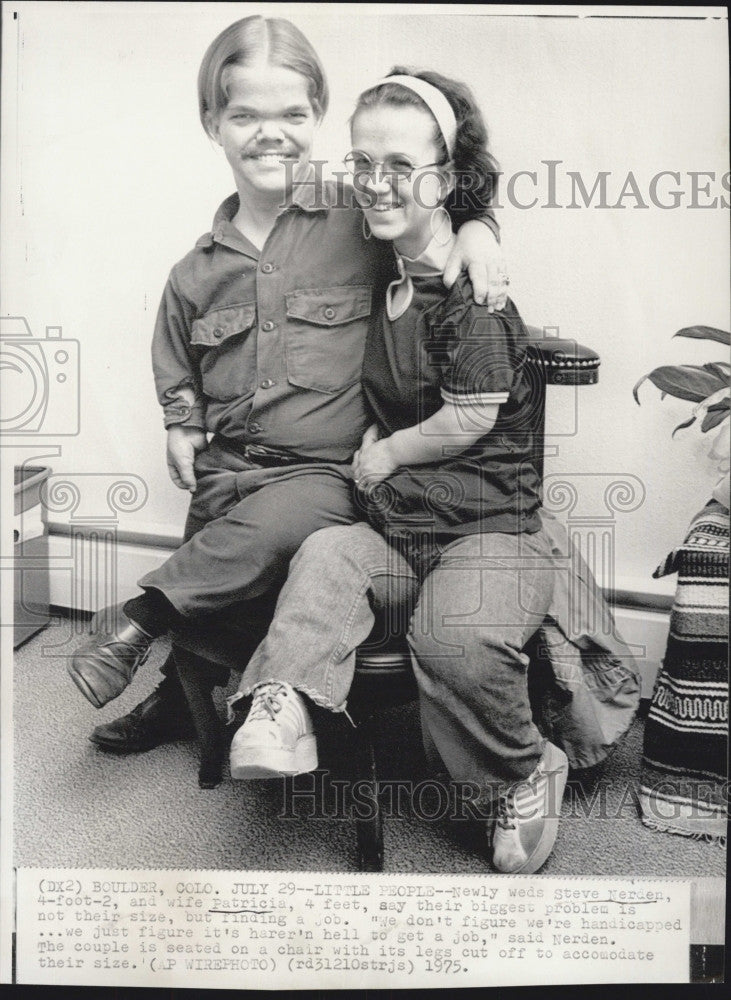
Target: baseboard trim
(149, 537)
(628, 592)
(641, 599)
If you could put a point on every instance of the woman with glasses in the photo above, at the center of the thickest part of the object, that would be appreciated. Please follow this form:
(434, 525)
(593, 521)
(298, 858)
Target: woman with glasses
(454, 539)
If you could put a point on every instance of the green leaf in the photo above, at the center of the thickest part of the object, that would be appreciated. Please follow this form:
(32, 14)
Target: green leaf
(721, 369)
(714, 417)
(681, 426)
(705, 333)
(722, 404)
(684, 382)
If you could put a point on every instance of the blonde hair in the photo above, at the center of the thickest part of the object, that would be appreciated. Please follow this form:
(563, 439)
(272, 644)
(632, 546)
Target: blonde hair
(245, 41)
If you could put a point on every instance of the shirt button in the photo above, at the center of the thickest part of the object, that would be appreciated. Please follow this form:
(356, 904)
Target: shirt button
(329, 313)
(267, 326)
(254, 427)
(218, 333)
(267, 268)
(267, 383)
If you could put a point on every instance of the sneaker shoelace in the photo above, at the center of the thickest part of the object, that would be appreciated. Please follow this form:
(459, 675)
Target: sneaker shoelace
(268, 702)
(507, 811)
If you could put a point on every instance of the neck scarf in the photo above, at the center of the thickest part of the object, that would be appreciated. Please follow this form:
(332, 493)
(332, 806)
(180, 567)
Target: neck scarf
(431, 260)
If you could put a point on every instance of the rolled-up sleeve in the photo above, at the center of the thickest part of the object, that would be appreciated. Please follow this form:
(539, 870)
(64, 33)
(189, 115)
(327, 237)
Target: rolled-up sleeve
(483, 354)
(177, 381)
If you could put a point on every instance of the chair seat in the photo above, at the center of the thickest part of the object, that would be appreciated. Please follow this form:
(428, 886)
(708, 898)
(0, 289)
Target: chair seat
(384, 677)
(377, 664)
(562, 362)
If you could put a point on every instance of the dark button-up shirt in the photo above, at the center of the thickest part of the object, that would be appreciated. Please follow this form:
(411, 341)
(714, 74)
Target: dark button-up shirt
(266, 347)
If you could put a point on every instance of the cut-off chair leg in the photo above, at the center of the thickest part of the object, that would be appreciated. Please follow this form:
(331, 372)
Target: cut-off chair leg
(367, 812)
(194, 673)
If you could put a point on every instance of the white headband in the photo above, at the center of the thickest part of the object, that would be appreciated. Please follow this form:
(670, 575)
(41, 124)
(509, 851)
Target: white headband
(435, 101)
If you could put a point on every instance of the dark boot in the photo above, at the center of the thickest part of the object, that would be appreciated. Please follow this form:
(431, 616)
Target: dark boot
(162, 717)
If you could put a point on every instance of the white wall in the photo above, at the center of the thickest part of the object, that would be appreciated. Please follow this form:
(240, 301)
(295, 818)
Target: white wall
(108, 180)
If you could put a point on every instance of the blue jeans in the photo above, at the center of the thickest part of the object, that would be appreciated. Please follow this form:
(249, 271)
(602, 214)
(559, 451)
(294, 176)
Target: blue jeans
(468, 624)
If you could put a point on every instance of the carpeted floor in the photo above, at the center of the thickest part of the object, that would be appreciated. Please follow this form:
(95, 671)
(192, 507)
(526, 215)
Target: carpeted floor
(76, 806)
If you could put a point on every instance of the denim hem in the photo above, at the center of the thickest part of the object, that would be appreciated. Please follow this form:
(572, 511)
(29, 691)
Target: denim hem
(319, 699)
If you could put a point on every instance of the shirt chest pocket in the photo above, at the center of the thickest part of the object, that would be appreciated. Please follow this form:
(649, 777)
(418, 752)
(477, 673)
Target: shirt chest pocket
(326, 333)
(227, 351)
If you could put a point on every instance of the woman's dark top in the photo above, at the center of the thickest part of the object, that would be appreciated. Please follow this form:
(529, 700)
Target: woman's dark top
(447, 348)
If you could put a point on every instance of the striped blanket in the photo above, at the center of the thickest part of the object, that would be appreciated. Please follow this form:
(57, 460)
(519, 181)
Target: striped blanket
(683, 786)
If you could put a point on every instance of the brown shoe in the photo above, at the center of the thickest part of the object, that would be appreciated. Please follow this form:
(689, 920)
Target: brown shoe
(103, 666)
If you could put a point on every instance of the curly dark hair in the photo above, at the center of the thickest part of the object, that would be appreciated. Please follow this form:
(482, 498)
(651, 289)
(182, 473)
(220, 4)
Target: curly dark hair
(476, 169)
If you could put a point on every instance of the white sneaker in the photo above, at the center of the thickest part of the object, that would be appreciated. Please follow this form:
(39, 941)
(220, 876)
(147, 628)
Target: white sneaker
(277, 739)
(528, 815)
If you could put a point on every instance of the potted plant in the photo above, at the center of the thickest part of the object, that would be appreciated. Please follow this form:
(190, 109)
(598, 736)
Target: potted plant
(709, 387)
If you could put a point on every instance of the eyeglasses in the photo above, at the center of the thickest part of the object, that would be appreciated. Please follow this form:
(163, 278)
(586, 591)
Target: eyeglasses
(392, 168)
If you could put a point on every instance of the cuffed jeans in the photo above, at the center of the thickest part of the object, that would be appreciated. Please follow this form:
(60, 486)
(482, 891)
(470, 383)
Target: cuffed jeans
(469, 623)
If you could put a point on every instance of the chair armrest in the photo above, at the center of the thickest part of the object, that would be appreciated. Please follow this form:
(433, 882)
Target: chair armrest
(563, 362)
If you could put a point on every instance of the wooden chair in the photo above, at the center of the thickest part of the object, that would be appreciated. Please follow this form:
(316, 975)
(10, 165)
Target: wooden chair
(383, 676)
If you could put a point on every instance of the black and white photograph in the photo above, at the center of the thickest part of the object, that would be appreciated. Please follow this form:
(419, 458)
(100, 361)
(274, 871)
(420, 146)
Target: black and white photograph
(364, 431)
